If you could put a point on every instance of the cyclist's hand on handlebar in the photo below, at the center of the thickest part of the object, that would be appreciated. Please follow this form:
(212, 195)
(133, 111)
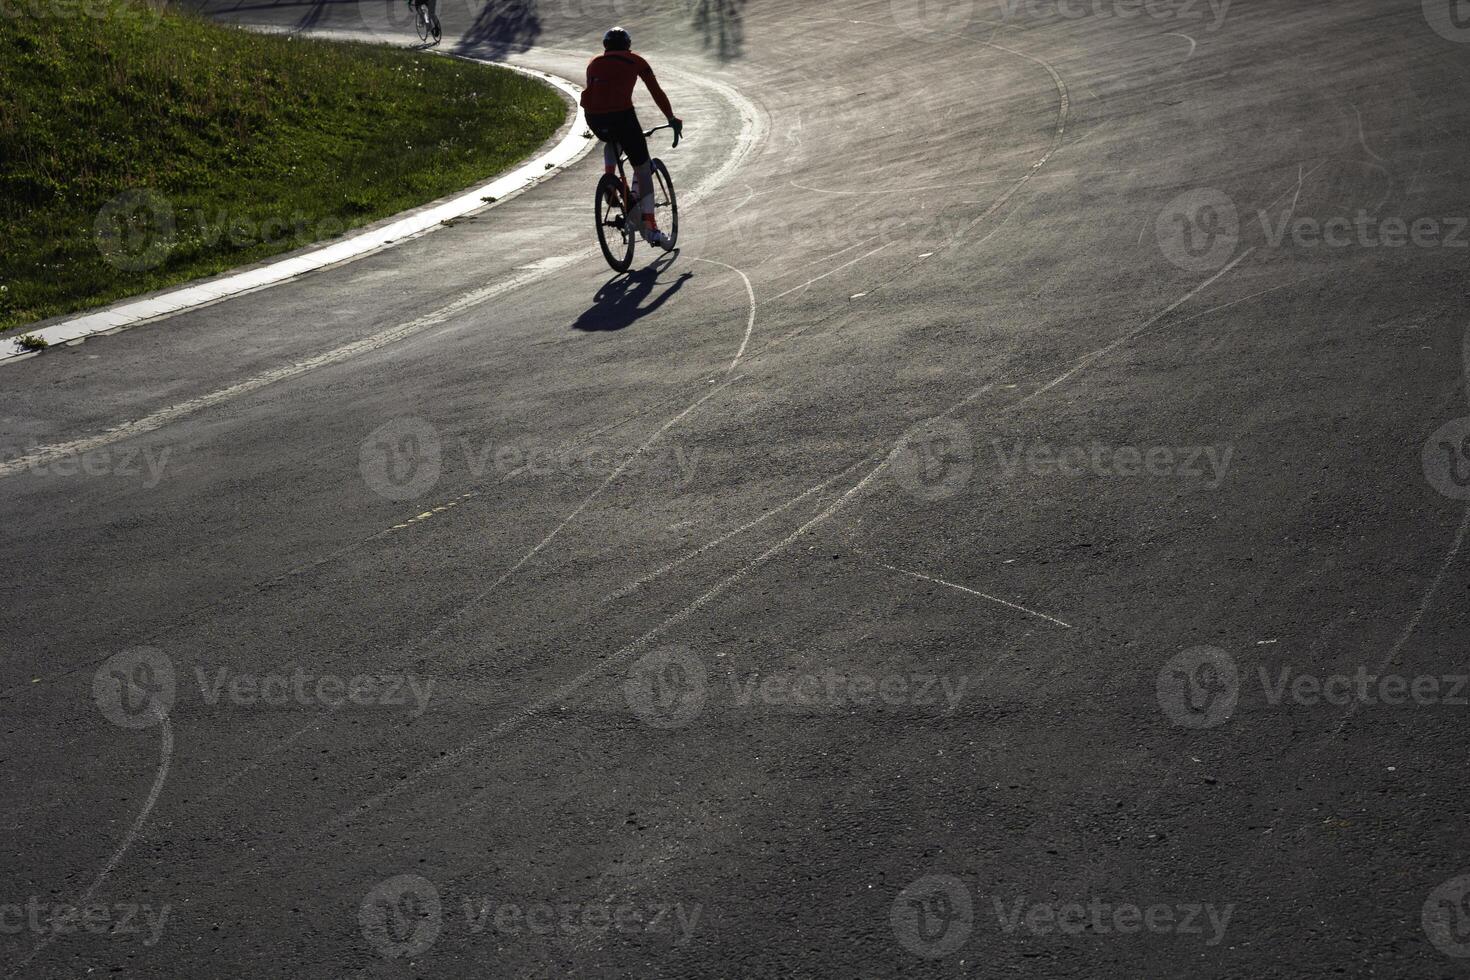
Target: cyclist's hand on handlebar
(678, 125)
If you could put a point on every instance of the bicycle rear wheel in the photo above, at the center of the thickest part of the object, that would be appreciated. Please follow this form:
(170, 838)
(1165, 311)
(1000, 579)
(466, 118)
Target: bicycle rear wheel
(610, 212)
(665, 203)
(421, 20)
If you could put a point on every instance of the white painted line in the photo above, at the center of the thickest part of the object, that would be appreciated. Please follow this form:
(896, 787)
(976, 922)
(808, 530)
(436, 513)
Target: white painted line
(982, 595)
(750, 321)
(158, 419)
(831, 272)
(129, 312)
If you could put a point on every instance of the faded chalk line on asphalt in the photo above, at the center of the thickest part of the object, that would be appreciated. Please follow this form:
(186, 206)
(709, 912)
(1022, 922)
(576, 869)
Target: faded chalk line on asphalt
(166, 754)
(973, 592)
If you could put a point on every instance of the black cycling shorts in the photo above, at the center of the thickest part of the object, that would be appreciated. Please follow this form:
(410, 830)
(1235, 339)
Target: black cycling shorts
(624, 129)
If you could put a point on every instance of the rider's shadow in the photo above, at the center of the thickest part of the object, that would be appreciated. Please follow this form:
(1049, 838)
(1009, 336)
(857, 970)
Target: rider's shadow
(620, 302)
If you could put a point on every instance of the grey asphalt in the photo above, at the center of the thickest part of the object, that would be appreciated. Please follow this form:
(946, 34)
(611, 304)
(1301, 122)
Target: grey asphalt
(932, 568)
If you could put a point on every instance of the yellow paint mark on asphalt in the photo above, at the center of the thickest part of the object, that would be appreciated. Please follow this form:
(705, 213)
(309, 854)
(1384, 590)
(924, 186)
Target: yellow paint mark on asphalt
(429, 514)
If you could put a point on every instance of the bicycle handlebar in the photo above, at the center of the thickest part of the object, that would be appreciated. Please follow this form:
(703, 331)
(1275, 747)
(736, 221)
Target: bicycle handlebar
(655, 129)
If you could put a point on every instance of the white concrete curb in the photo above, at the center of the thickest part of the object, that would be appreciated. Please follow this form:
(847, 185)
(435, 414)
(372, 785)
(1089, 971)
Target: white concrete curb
(131, 312)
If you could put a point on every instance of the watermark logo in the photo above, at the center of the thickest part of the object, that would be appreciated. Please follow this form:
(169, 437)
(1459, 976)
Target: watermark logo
(1100, 918)
(135, 230)
(1192, 11)
(674, 920)
(930, 19)
(400, 460)
(1446, 917)
(103, 461)
(1207, 463)
(935, 460)
(1199, 687)
(138, 687)
(135, 688)
(401, 917)
(933, 916)
(671, 686)
(43, 918)
(1446, 459)
(403, 459)
(667, 687)
(1198, 230)
(1449, 18)
(280, 689)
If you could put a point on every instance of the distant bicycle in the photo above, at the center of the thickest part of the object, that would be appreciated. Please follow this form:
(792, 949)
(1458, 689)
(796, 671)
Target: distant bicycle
(425, 21)
(617, 214)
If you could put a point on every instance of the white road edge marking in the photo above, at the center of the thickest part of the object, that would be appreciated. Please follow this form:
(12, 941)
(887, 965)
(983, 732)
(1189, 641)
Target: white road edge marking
(157, 420)
(414, 224)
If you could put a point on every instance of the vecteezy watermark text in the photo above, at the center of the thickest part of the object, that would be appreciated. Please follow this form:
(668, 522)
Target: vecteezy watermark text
(404, 916)
(43, 918)
(1208, 13)
(404, 458)
(138, 230)
(139, 687)
(934, 916)
(1201, 687)
(301, 687)
(1097, 459)
(1098, 917)
(122, 462)
(1200, 230)
(672, 686)
(938, 458)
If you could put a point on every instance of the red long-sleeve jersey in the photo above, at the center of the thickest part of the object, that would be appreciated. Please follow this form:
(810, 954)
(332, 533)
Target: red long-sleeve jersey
(610, 81)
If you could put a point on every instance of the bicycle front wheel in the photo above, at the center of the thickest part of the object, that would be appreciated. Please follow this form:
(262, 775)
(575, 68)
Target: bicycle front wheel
(610, 212)
(665, 203)
(421, 20)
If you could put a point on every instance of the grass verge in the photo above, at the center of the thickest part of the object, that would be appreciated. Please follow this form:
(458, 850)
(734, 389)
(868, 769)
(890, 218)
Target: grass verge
(142, 147)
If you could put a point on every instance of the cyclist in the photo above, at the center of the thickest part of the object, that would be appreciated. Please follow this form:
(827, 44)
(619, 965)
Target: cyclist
(608, 102)
(433, 6)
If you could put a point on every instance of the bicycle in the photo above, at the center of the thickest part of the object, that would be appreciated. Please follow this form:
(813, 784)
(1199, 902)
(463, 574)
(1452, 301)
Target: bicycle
(426, 23)
(615, 210)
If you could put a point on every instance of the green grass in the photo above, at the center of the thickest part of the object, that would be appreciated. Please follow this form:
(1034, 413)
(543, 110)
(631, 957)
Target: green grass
(142, 148)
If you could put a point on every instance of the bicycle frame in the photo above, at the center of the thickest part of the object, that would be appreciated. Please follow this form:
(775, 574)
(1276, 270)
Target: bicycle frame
(623, 156)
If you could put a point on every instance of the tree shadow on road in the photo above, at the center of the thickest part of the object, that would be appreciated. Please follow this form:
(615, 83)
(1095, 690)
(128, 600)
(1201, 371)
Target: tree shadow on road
(721, 23)
(502, 27)
(620, 301)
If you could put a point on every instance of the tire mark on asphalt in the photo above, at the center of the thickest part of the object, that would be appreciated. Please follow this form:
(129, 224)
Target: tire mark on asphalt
(716, 542)
(532, 710)
(449, 758)
(831, 272)
(166, 753)
(173, 413)
(622, 468)
(566, 522)
(750, 321)
(982, 595)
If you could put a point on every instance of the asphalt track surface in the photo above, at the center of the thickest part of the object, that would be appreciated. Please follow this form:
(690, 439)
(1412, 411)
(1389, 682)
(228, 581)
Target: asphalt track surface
(925, 249)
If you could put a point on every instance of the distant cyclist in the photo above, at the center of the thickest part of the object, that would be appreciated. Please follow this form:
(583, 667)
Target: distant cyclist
(433, 9)
(608, 102)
